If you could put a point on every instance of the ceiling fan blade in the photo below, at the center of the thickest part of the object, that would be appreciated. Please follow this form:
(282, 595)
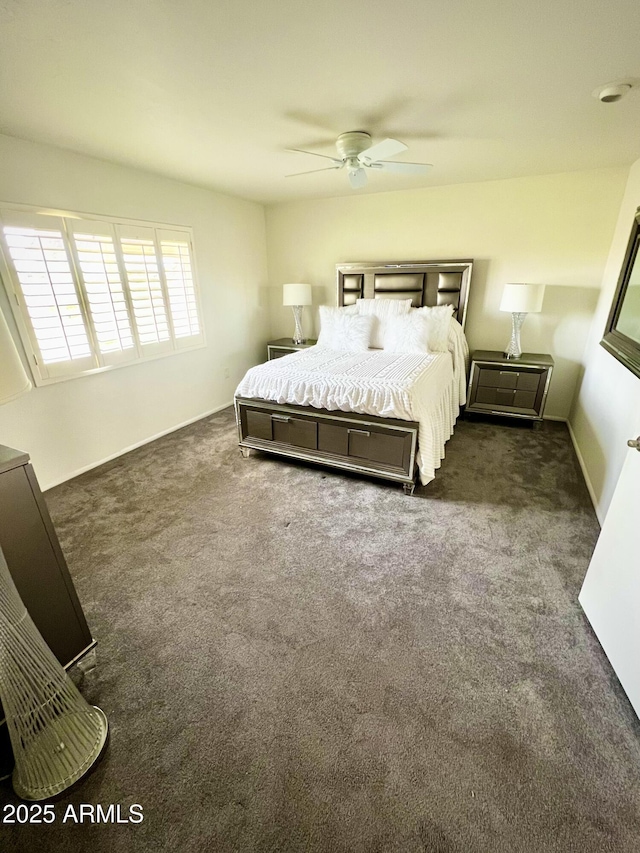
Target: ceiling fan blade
(315, 154)
(327, 169)
(404, 168)
(386, 148)
(357, 178)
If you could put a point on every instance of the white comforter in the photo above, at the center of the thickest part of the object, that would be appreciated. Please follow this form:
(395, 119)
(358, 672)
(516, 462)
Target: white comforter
(427, 388)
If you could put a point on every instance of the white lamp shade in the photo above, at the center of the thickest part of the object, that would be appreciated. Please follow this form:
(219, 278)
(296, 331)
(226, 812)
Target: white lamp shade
(525, 298)
(296, 294)
(13, 378)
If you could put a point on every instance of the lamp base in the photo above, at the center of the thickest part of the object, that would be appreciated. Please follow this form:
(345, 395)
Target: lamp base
(514, 349)
(298, 337)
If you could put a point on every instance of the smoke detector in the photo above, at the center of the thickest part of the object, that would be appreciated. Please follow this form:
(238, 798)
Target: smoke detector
(612, 92)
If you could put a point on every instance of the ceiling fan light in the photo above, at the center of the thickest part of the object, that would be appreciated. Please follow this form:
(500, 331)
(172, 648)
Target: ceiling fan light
(357, 178)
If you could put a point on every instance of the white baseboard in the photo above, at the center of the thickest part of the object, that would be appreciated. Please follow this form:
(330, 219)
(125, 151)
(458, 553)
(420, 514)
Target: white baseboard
(134, 446)
(583, 467)
(585, 474)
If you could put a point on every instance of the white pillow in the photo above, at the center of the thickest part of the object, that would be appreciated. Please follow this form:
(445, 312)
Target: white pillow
(342, 330)
(423, 330)
(381, 310)
(407, 333)
(439, 319)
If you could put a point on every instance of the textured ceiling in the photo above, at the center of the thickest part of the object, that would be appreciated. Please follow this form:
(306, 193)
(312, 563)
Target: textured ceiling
(213, 92)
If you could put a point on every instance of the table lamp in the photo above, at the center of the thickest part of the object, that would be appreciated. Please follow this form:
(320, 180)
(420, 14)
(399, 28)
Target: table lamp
(520, 300)
(297, 295)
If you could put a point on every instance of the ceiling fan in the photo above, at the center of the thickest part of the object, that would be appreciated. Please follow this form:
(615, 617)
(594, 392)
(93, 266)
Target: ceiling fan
(357, 154)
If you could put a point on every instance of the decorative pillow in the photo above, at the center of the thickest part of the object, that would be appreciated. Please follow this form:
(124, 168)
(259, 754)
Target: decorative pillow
(439, 319)
(381, 310)
(343, 330)
(407, 333)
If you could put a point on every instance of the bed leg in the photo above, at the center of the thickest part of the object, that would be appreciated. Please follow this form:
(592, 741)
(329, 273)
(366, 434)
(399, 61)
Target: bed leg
(245, 452)
(409, 488)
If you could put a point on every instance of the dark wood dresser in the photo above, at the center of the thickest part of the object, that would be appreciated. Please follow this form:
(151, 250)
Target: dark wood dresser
(39, 571)
(36, 562)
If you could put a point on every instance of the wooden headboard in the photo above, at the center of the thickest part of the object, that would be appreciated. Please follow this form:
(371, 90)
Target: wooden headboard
(424, 282)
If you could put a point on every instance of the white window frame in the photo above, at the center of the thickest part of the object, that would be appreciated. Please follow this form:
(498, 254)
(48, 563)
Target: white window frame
(98, 362)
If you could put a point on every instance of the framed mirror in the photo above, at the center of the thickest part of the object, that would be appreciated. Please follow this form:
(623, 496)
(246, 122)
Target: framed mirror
(622, 334)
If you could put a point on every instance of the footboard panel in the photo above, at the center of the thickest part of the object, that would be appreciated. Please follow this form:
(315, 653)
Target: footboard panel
(382, 447)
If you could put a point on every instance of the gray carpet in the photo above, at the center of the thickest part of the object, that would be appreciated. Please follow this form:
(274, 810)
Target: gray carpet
(299, 660)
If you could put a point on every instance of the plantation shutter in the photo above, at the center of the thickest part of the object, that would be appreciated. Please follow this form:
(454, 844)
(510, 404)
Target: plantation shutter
(52, 310)
(146, 287)
(108, 305)
(177, 264)
(91, 293)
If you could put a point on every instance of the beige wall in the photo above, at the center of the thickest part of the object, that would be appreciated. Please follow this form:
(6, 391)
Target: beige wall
(553, 229)
(75, 424)
(607, 407)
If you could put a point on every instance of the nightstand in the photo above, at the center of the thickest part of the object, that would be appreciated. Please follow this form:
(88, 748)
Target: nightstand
(284, 346)
(512, 388)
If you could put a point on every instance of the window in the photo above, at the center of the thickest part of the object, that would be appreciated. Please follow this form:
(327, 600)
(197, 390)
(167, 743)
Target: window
(92, 294)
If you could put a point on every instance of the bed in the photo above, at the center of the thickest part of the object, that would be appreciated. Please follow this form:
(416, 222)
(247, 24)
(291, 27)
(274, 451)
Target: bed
(385, 414)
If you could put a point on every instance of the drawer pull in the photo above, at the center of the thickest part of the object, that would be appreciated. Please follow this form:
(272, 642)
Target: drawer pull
(284, 418)
(359, 432)
(509, 373)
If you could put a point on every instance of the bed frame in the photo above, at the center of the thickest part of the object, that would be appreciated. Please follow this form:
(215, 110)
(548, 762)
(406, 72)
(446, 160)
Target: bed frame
(381, 447)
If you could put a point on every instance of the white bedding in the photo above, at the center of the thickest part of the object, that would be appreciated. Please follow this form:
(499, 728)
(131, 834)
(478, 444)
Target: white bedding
(428, 388)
